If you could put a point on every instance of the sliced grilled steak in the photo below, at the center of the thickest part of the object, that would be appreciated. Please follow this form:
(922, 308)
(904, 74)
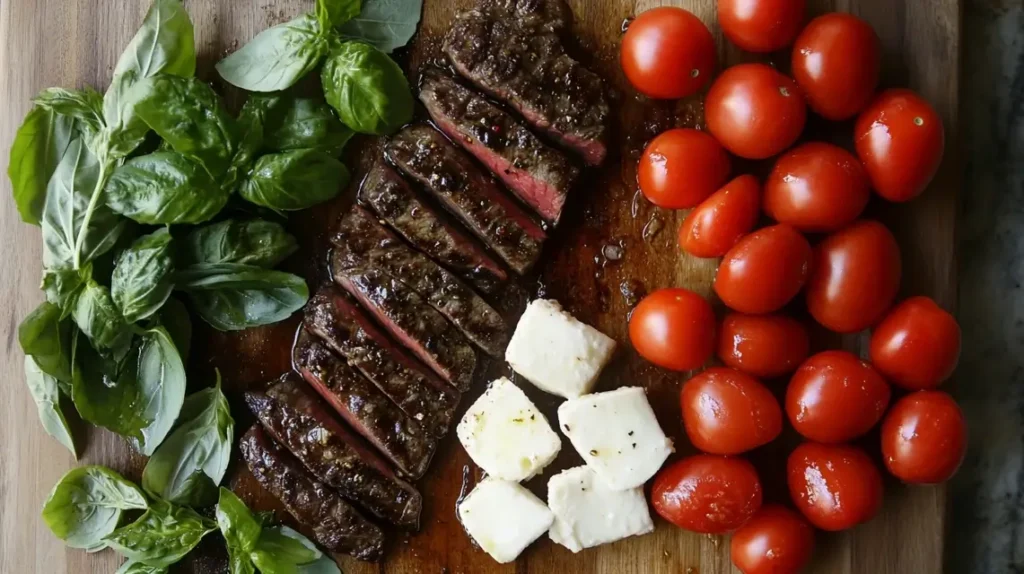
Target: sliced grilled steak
(336, 525)
(394, 201)
(540, 175)
(337, 319)
(299, 421)
(360, 240)
(363, 406)
(450, 175)
(507, 50)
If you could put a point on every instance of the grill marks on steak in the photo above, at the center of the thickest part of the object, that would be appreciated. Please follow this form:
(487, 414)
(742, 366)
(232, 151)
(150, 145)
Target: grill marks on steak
(336, 525)
(540, 175)
(450, 175)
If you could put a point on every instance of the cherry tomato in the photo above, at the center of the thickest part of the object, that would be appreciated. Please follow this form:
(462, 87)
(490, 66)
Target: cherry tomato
(836, 60)
(900, 139)
(728, 412)
(917, 345)
(835, 486)
(835, 397)
(924, 438)
(854, 278)
(764, 270)
(673, 328)
(816, 187)
(707, 493)
(760, 25)
(764, 346)
(755, 111)
(681, 168)
(722, 219)
(668, 53)
(775, 541)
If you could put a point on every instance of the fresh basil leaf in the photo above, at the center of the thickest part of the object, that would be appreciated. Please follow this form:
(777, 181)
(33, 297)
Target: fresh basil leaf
(324, 565)
(293, 180)
(277, 57)
(161, 536)
(104, 392)
(331, 13)
(85, 106)
(241, 530)
(174, 317)
(252, 122)
(253, 242)
(63, 285)
(161, 387)
(133, 567)
(387, 24)
(45, 392)
(86, 505)
(38, 147)
(125, 130)
(47, 339)
(280, 548)
(98, 317)
(164, 43)
(164, 187)
(231, 297)
(367, 89)
(304, 123)
(141, 281)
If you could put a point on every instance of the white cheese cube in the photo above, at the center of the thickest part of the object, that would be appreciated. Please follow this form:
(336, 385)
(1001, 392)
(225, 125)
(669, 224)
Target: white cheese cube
(617, 435)
(588, 514)
(503, 518)
(557, 353)
(506, 435)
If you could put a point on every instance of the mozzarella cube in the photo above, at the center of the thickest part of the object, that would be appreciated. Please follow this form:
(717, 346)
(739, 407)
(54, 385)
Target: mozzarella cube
(506, 435)
(503, 518)
(617, 435)
(588, 514)
(557, 353)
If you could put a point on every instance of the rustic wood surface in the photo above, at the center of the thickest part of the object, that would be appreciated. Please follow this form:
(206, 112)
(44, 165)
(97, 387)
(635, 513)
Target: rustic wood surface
(76, 42)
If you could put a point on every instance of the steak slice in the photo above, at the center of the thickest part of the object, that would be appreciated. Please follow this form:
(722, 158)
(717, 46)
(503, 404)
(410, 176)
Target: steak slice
(451, 176)
(507, 50)
(361, 240)
(299, 421)
(363, 406)
(338, 320)
(540, 175)
(336, 525)
(394, 201)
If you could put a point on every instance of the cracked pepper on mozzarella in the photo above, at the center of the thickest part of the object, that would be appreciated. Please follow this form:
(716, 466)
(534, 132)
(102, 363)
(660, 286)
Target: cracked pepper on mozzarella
(503, 518)
(588, 514)
(617, 435)
(506, 435)
(556, 352)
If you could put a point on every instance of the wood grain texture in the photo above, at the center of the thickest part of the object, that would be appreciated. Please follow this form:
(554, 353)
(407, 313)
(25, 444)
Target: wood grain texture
(76, 43)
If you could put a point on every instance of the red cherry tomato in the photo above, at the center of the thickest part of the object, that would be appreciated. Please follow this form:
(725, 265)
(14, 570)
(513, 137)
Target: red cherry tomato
(835, 397)
(728, 412)
(854, 278)
(924, 438)
(836, 60)
(722, 219)
(755, 111)
(707, 493)
(900, 139)
(760, 25)
(764, 346)
(816, 187)
(668, 53)
(775, 541)
(764, 270)
(835, 486)
(681, 168)
(673, 328)
(917, 345)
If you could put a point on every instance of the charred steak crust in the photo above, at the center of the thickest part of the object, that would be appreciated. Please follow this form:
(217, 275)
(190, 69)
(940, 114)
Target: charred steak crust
(540, 175)
(448, 174)
(335, 524)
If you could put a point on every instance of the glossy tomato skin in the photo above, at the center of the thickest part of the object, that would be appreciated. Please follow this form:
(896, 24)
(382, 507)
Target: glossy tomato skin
(722, 219)
(855, 277)
(668, 53)
(681, 168)
(816, 187)
(707, 493)
(728, 412)
(764, 346)
(834, 486)
(836, 60)
(900, 140)
(776, 540)
(673, 328)
(924, 438)
(760, 25)
(835, 397)
(755, 111)
(764, 270)
(917, 345)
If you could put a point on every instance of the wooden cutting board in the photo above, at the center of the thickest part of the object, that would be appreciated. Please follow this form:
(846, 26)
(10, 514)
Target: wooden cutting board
(611, 247)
